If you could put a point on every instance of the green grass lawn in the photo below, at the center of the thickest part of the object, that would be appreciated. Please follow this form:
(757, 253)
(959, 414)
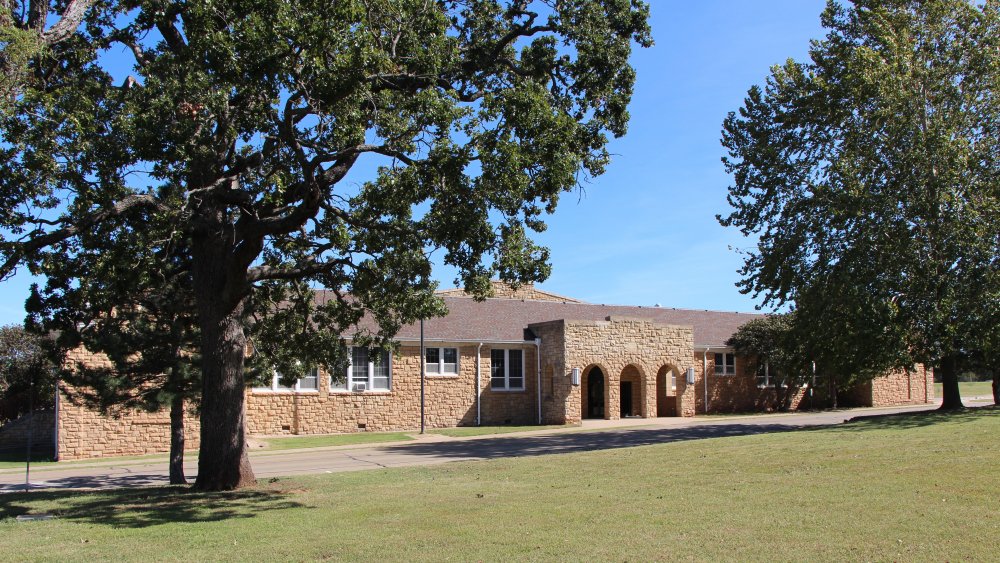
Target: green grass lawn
(911, 488)
(969, 389)
(296, 442)
(464, 431)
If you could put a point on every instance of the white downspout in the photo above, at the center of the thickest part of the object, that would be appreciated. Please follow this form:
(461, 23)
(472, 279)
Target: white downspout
(55, 430)
(704, 375)
(479, 357)
(538, 376)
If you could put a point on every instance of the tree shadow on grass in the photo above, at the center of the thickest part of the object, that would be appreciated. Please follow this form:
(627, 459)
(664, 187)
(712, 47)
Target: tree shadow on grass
(573, 442)
(587, 441)
(910, 420)
(145, 507)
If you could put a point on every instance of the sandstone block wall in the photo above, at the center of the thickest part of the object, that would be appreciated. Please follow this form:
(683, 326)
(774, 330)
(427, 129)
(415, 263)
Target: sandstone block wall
(450, 400)
(635, 348)
(740, 392)
(83, 432)
(903, 387)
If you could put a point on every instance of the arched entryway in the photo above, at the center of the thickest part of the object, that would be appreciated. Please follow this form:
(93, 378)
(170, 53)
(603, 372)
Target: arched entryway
(593, 395)
(666, 392)
(631, 397)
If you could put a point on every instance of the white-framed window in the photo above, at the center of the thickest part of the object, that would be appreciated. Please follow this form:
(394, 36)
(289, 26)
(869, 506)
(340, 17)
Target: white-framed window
(506, 370)
(306, 384)
(767, 377)
(368, 370)
(441, 361)
(725, 363)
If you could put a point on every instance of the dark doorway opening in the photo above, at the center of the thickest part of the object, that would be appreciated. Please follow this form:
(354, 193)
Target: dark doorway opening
(595, 393)
(626, 398)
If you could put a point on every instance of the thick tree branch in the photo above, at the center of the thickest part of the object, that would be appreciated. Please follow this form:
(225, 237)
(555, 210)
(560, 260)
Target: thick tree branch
(171, 35)
(41, 240)
(299, 271)
(68, 23)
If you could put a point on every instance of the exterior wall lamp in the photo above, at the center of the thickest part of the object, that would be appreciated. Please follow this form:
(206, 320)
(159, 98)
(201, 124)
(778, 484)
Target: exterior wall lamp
(575, 376)
(690, 376)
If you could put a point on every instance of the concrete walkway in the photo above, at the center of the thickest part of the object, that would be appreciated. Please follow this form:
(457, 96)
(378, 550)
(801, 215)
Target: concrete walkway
(431, 449)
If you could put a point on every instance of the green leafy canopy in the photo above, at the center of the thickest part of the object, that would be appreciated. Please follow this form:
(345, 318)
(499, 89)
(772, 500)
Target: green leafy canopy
(247, 116)
(869, 176)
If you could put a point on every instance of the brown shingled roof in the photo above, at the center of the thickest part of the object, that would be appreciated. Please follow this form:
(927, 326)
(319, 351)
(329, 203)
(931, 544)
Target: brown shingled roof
(507, 319)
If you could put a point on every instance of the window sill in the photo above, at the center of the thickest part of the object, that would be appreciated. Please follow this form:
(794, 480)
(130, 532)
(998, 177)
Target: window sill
(367, 392)
(507, 390)
(442, 375)
(284, 391)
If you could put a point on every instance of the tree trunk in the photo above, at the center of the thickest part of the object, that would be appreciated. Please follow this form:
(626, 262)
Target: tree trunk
(951, 398)
(833, 392)
(223, 462)
(177, 440)
(996, 386)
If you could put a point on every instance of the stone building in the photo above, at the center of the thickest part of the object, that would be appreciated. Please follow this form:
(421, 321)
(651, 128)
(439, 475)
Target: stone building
(523, 357)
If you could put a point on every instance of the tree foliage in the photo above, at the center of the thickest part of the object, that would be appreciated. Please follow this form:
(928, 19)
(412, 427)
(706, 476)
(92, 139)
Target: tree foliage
(229, 151)
(870, 177)
(25, 368)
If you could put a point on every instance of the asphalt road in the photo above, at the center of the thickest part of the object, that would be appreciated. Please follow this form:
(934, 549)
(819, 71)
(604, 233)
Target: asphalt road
(432, 449)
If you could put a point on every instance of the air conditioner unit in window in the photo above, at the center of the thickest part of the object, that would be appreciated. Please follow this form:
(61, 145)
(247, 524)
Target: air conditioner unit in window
(359, 387)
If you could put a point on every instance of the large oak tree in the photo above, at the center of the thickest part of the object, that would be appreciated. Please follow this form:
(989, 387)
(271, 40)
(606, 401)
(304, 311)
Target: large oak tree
(230, 144)
(871, 176)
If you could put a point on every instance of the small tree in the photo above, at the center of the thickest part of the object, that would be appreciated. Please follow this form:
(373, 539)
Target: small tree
(769, 343)
(869, 176)
(24, 368)
(139, 317)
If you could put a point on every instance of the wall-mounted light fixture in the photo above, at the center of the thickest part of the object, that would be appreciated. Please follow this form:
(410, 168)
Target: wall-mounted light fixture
(575, 376)
(690, 376)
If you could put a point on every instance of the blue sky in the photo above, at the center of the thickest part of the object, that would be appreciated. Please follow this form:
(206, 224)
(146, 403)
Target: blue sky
(645, 232)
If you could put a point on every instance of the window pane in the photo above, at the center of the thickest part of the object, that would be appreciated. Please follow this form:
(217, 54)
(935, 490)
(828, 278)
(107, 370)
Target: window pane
(339, 383)
(730, 363)
(497, 380)
(359, 366)
(278, 384)
(432, 360)
(720, 363)
(381, 370)
(516, 373)
(450, 364)
(309, 382)
(432, 356)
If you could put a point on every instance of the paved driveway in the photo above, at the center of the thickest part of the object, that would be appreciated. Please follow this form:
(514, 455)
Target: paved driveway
(433, 449)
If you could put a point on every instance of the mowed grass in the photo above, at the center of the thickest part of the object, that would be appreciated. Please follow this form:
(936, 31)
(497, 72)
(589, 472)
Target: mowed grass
(325, 440)
(968, 389)
(911, 488)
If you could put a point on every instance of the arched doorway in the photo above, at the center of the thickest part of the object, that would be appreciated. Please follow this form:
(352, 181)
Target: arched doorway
(666, 392)
(631, 395)
(593, 395)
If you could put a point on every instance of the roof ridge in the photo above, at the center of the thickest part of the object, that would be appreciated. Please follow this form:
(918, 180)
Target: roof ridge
(571, 301)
